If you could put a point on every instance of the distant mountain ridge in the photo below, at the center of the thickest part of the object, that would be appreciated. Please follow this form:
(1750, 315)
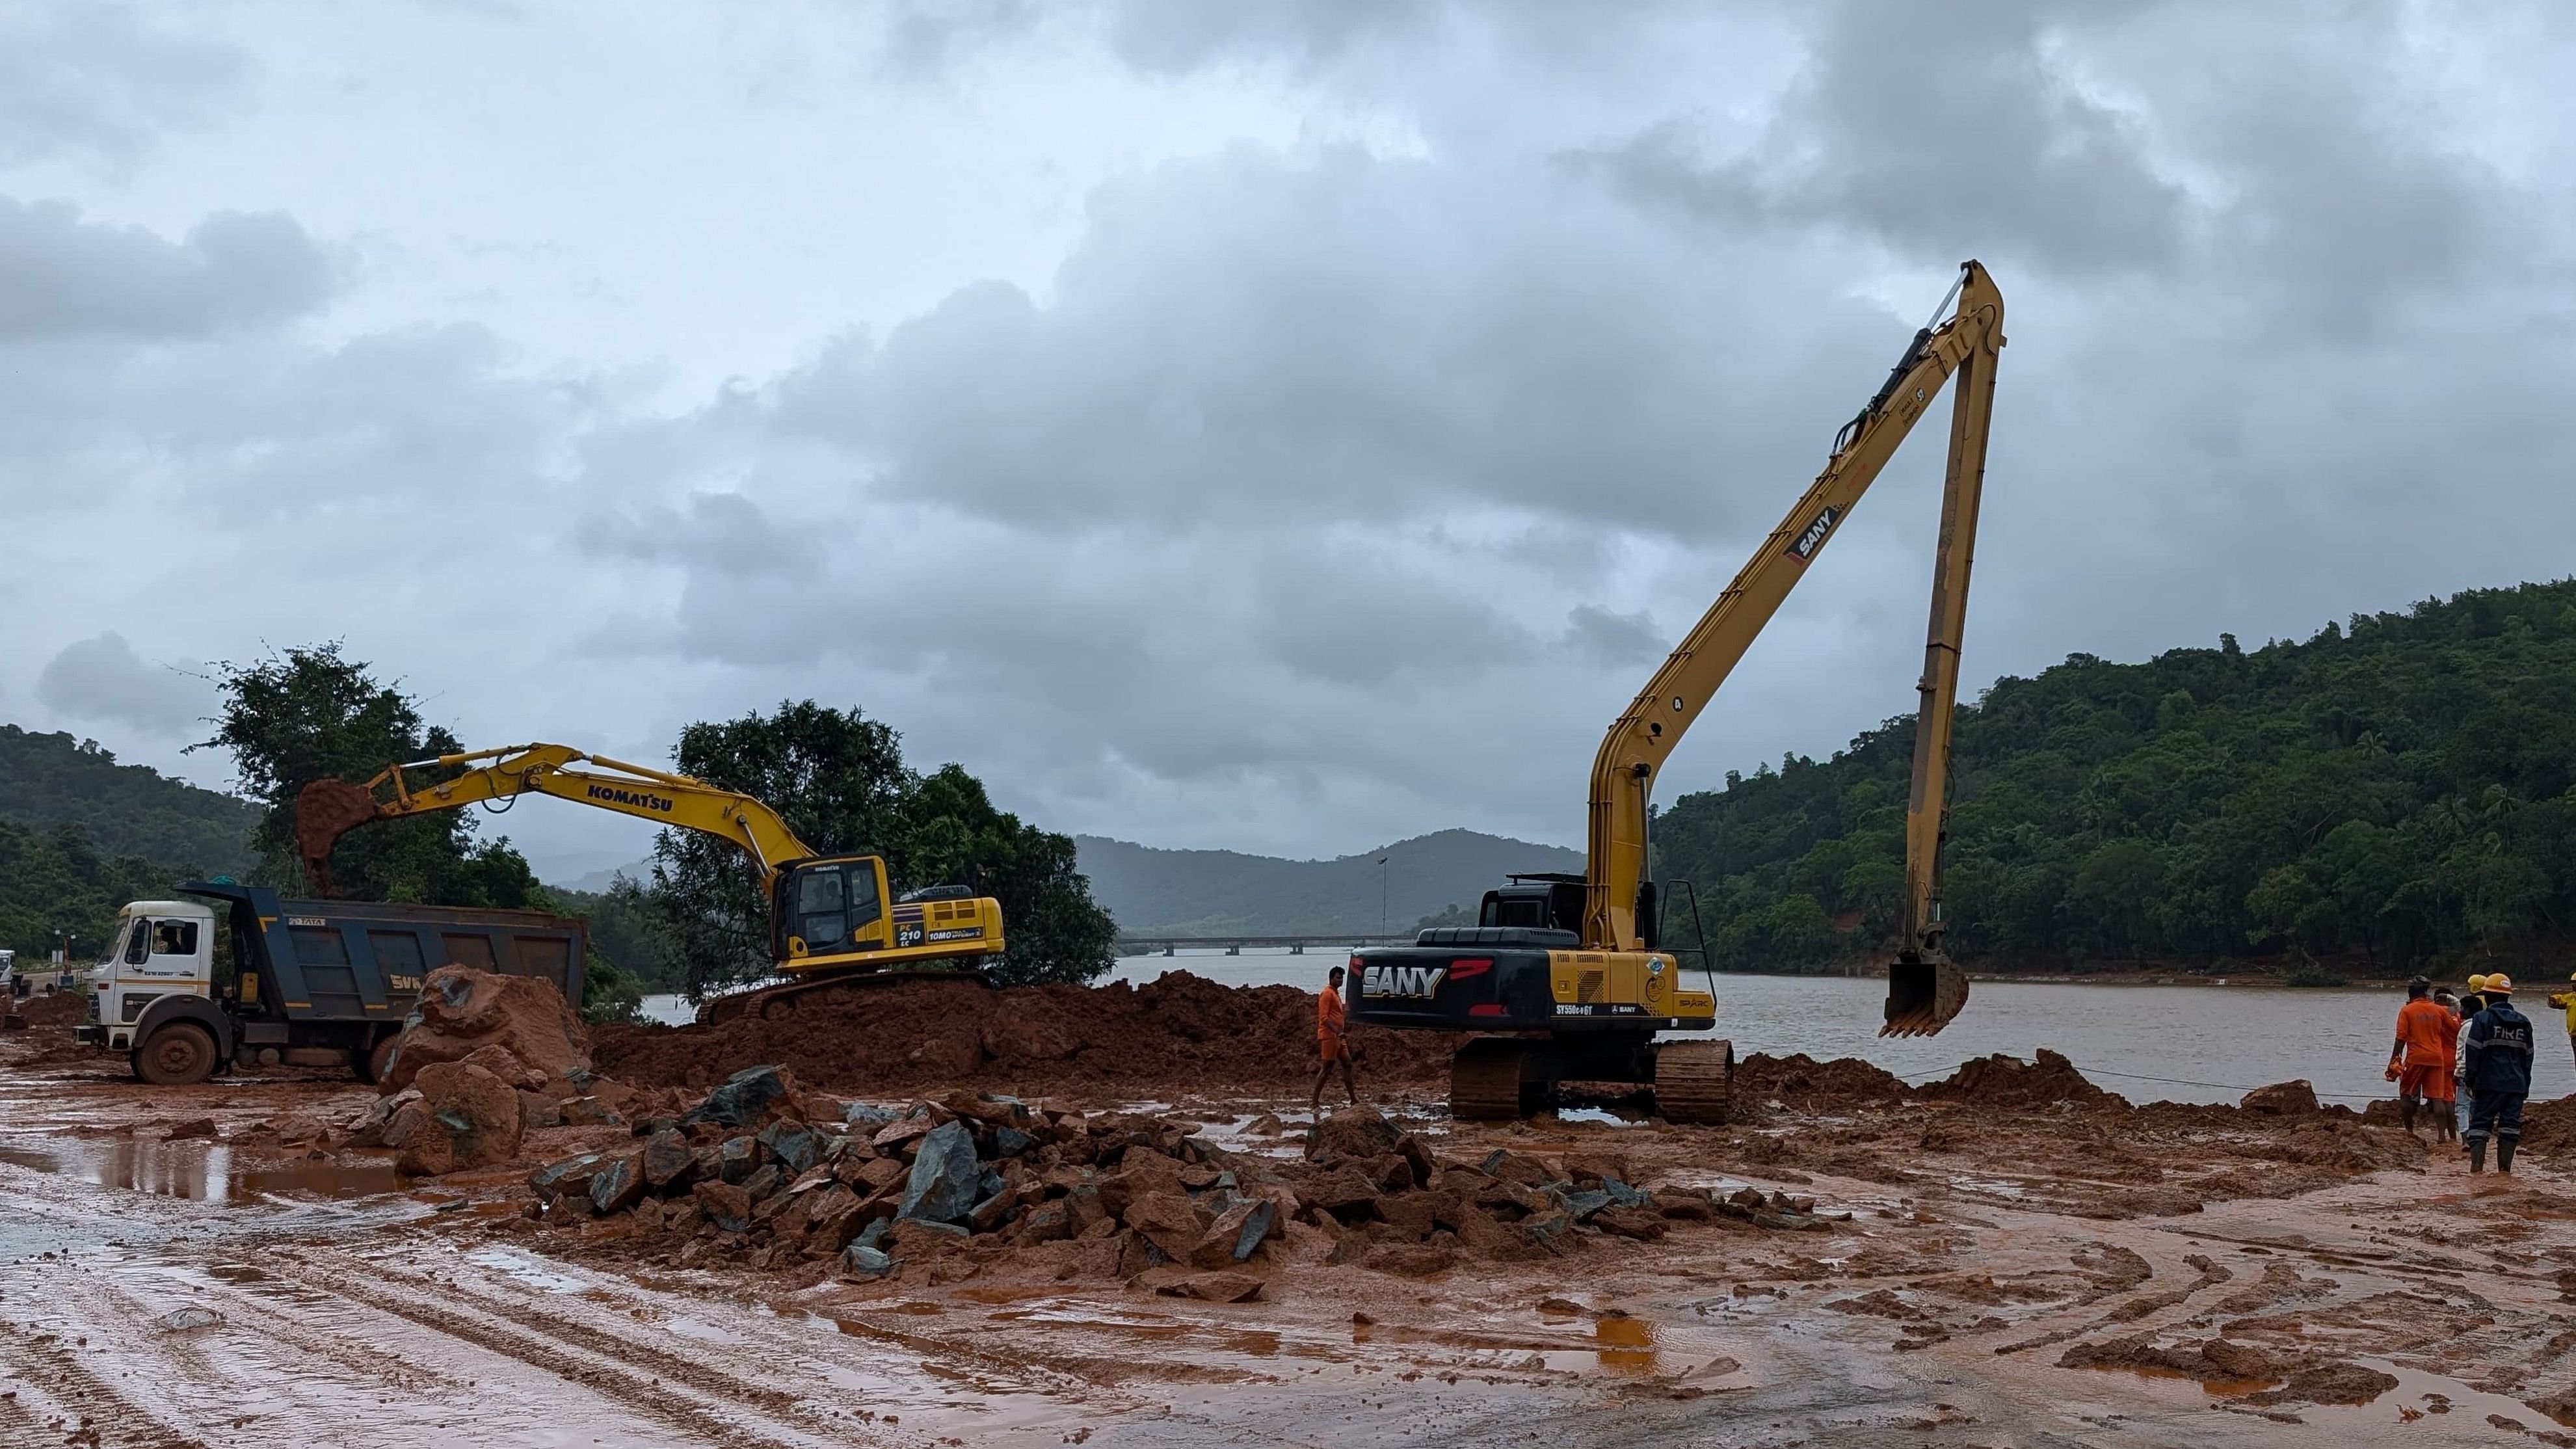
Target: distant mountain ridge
(1152, 891)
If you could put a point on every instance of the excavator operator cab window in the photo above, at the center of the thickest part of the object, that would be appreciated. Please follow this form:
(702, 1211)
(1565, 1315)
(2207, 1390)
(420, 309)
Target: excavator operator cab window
(834, 903)
(1555, 905)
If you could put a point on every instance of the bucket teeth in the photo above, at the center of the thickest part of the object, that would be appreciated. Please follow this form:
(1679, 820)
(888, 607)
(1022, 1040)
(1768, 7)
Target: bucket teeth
(1923, 995)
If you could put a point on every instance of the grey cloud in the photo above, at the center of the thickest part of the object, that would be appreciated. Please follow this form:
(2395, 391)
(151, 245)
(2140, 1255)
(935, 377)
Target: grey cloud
(1252, 339)
(104, 679)
(725, 532)
(249, 428)
(1596, 634)
(88, 76)
(928, 37)
(1379, 620)
(1936, 129)
(62, 277)
(1171, 36)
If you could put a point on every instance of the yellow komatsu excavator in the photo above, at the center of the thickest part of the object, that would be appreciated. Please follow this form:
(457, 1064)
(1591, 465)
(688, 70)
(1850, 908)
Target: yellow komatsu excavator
(832, 917)
(1565, 977)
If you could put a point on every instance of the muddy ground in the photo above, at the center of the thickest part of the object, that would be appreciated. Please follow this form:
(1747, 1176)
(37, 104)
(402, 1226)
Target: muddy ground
(2025, 1263)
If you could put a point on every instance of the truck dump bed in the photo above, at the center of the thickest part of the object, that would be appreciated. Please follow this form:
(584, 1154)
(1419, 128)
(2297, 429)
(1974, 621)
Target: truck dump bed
(364, 960)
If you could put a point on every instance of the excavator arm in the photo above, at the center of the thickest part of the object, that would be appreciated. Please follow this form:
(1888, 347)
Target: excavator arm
(1925, 991)
(328, 809)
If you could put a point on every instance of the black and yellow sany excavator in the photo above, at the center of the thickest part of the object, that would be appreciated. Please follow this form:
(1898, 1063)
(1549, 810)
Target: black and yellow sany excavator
(1566, 978)
(832, 917)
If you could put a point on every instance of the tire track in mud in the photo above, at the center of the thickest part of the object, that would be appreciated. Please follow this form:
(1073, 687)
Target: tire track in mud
(633, 1373)
(344, 1351)
(48, 1360)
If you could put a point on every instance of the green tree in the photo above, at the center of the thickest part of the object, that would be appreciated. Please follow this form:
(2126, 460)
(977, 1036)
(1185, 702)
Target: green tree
(310, 714)
(839, 781)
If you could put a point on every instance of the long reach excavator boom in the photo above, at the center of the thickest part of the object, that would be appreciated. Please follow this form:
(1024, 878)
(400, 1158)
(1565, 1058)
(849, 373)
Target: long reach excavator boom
(1616, 890)
(1567, 977)
(831, 916)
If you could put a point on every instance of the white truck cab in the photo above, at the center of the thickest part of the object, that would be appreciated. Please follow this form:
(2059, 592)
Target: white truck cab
(159, 948)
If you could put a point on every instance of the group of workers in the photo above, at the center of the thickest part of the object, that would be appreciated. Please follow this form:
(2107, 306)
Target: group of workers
(2467, 1059)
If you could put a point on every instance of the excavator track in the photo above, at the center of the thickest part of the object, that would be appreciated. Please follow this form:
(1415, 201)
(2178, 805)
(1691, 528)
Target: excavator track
(782, 1001)
(1488, 1079)
(1693, 1080)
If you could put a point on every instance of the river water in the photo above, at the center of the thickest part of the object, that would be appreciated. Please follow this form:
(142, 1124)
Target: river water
(2206, 1043)
(2148, 1043)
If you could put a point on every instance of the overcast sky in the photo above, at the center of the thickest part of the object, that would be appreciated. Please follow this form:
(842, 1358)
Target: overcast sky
(1278, 426)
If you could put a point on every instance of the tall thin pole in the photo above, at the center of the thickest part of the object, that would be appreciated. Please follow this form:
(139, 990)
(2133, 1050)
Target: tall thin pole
(1381, 893)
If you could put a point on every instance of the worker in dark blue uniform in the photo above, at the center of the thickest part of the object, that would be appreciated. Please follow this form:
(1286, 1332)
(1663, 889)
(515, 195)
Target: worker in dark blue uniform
(2497, 1071)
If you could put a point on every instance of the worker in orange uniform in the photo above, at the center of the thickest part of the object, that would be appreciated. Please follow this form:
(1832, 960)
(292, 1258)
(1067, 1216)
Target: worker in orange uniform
(1333, 1045)
(2420, 1061)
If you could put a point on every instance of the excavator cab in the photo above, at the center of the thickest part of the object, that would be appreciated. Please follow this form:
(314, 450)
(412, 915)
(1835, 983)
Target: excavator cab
(830, 907)
(840, 907)
(1546, 902)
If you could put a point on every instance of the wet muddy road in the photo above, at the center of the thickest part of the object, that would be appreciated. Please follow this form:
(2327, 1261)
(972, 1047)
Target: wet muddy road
(207, 1292)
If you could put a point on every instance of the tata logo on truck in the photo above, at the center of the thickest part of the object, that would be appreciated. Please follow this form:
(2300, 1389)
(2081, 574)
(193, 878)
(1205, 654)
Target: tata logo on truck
(1417, 981)
(615, 796)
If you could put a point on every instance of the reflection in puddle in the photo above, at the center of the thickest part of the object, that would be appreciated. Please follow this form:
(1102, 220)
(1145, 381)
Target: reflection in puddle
(1627, 1345)
(2215, 1388)
(208, 1172)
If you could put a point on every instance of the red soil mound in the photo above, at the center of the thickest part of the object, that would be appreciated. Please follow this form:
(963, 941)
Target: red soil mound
(2002, 1081)
(1802, 1081)
(58, 1008)
(1179, 1033)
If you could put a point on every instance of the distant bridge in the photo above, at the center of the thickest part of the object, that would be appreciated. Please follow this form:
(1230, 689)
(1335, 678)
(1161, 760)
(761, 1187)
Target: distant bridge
(1235, 945)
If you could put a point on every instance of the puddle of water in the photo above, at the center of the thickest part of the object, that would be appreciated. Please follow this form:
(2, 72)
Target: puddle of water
(2214, 1388)
(203, 1171)
(1626, 1345)
(527, 1268)
(1598, 1115)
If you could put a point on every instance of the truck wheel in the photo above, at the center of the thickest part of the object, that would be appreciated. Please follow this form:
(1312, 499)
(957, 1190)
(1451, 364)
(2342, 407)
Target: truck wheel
(180, 1054)
(371, 1063)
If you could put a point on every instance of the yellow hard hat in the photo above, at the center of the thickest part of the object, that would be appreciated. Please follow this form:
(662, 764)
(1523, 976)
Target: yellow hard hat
(2479, 983)
(2500, 982)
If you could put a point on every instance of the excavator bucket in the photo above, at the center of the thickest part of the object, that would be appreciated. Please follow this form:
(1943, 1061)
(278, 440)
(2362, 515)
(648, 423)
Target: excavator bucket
(325, 810)
(1923, 993)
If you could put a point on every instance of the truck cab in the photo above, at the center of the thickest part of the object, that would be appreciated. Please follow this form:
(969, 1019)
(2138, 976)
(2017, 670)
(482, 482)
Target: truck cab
(158, 949)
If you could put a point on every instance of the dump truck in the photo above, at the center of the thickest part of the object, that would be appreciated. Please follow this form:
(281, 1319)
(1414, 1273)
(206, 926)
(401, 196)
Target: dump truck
(230, 973)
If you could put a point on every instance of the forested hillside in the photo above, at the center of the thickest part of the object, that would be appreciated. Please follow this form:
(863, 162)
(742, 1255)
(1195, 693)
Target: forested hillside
(2393, 791)
(80, 835)
(49, 780)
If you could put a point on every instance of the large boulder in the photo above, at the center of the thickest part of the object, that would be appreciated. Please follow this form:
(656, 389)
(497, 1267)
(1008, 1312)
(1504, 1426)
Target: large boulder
(462, 1011)
(471, 1120)
(946, 1182)
(2282, 1099)
(748, 1099)
(1170, 1221)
